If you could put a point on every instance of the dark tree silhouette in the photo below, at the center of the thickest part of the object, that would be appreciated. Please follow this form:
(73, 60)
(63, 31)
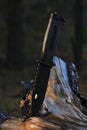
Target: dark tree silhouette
(78, 43)
(15, 39)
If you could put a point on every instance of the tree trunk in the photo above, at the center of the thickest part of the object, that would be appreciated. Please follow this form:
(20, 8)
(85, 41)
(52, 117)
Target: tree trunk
(78, 44)
(14, 47)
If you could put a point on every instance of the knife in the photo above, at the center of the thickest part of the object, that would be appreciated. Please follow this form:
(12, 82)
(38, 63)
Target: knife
(45, 63)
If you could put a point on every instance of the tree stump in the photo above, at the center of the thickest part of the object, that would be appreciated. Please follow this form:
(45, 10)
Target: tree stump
(61, 109)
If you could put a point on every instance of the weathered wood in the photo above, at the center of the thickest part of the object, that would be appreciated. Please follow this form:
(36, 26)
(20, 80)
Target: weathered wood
(41, 123)
(61, 109)
(36, 123)
(31, 124)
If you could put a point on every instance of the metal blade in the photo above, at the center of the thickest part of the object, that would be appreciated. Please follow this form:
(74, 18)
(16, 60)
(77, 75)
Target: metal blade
(52, 35)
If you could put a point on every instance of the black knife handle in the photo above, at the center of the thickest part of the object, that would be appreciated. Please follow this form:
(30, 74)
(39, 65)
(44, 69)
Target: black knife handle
(40, 87)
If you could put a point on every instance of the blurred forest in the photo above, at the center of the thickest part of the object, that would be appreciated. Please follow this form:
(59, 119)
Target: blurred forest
(22, 28)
